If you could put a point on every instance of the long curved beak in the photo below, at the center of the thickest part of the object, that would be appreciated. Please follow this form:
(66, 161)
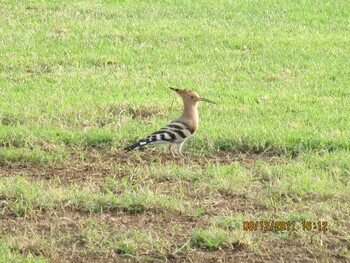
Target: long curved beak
(206, 100)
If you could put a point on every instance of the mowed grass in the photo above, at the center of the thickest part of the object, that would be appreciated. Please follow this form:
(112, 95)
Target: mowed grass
(79, 80)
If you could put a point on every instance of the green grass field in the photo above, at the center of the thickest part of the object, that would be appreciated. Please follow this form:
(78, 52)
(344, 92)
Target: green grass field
(80, 80)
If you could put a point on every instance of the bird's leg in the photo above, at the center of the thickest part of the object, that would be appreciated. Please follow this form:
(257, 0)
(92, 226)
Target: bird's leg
(179, 151)
(171, 150)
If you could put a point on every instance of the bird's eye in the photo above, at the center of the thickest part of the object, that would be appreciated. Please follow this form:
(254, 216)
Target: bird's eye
(192, 97)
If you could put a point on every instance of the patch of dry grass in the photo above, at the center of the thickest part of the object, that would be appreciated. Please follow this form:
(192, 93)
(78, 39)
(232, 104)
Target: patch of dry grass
(193, 212)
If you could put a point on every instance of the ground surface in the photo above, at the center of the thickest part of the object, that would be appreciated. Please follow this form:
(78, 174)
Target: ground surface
(81, 80)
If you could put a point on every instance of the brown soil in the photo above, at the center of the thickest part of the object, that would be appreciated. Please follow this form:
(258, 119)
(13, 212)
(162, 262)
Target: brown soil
(94, 169)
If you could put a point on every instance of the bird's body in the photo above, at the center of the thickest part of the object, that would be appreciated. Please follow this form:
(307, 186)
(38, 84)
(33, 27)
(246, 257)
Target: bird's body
(179, 130)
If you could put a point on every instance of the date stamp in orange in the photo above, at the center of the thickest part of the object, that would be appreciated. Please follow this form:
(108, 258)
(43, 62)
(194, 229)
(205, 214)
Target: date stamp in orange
(321, 226)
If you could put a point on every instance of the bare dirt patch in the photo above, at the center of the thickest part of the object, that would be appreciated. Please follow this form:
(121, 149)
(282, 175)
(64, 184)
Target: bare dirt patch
(98, 164)
(59, 235)
(64, 242)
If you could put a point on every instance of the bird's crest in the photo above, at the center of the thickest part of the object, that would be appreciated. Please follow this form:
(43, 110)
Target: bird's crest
(184, 92)
(190, 96)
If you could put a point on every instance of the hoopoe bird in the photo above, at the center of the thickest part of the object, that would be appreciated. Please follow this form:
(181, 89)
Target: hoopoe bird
(180, 130)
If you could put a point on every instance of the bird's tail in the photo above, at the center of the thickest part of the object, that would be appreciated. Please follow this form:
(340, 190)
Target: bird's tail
(163, 136)
(137, 145)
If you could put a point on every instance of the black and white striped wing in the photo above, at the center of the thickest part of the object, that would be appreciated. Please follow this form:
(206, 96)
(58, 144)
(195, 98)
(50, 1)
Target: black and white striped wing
(174, 133)
(180, 130)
